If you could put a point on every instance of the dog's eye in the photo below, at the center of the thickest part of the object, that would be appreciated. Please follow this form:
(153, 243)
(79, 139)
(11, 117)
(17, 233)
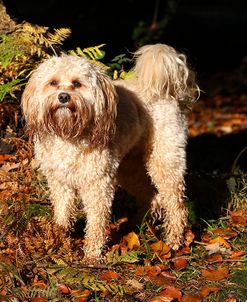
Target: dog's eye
(76, 84)
(53, 83)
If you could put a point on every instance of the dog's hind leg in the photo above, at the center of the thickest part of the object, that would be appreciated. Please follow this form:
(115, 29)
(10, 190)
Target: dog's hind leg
(166, 164)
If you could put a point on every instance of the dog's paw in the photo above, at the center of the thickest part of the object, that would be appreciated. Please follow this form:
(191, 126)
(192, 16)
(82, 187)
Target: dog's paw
(93, 262)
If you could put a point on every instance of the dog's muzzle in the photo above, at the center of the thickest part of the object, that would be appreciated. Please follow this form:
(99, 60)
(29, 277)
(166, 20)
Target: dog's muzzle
(63, 97)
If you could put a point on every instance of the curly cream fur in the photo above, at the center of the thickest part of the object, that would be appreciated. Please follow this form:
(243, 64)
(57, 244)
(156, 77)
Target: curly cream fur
(130, 133)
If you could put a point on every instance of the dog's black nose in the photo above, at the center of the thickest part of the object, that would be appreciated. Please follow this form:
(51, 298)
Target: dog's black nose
(63, 97)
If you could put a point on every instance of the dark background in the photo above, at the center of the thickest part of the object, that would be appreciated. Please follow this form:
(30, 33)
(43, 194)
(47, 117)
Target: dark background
(213, 33)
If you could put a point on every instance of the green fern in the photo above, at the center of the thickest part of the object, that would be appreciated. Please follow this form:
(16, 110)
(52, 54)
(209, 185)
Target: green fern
(91, 53)
(9, 88)
(38, 39)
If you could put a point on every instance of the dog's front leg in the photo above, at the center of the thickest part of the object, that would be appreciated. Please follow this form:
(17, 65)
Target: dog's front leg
(62, 198)
(97, 201)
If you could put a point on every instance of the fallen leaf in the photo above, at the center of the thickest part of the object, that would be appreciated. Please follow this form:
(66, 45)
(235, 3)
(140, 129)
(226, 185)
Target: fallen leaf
(10, 166)
(4, 157)
(227, 233)
(213, 248)
(162, 249)
(206, 237)
(191, 298)
(172, 292)
(80, 293)
(117, 224)
(39, 299)
(3, 292)
(40, 284)
(81, 299)
(159, 280)
(179, 263)
(64, 289)
(148, 270)
(189, 237)
(214, 258)
(169, 276)
(184, 251)
(136, 284)
(161, 299)
(205, 291)
(237, 254)
(131, 240)
(221, 241)
(238, 218)
(109, 275)
(215, 275)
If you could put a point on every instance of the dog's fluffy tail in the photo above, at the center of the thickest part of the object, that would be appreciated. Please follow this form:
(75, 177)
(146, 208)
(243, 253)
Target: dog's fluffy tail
(163, 73)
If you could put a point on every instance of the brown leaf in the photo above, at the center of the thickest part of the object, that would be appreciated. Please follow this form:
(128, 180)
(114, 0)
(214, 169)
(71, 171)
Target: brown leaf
(225, 233)
(3, 292)
(135, 284)
(237, 254)
(159, 280)
(109, 275)
(172, 292)
(161, 299)
(169, 276)
(148, 270)
(80, 293)
(221, 241)
(193, 298)
(10, 166)
(216, 275)
(214, 258)
(180, 263)
(39, 299)
(40, 283)
(117, 224)
(131, 240)
(152, 270)
(189, 237)
(205, 291)
(184, 251)
(64, 289)
(4, 157)
(238, 218)
(81, 299)
(162, 249)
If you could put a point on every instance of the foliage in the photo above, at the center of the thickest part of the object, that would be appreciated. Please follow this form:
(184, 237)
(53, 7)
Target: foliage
(21, 50)
(24, 48)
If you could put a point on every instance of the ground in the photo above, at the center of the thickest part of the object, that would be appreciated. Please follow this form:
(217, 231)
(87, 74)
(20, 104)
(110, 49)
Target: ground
(39, 263)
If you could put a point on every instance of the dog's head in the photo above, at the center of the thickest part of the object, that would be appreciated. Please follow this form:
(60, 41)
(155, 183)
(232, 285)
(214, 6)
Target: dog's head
(70, 97)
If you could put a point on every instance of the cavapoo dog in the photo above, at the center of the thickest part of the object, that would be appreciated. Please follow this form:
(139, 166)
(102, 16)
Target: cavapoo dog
(92, 134)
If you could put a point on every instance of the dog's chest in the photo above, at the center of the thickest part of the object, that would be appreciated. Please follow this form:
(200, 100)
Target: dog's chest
(74, 164)
(65, 160)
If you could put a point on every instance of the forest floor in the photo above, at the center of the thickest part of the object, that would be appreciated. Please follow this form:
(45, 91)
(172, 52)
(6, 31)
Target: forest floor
(38, 263)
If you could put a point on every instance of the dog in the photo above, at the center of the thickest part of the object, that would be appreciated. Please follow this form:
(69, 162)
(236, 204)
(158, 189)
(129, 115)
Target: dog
(92, 134)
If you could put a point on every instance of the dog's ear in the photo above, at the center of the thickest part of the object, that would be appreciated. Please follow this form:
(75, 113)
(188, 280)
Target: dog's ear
(28, 105)
(106, 100)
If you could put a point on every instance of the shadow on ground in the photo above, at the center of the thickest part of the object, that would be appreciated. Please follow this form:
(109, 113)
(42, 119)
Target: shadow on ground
(211, 161)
